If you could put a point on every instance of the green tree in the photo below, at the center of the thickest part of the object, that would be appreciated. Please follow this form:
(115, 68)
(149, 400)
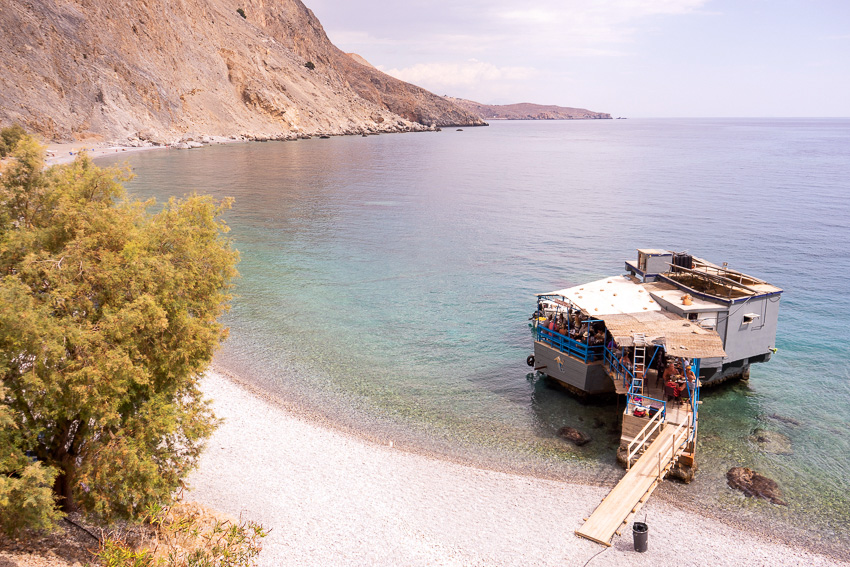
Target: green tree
(108, 316)
(9, 138)
(26, 495)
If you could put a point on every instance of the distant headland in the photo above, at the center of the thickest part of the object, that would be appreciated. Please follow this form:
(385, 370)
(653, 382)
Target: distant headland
(527, 111)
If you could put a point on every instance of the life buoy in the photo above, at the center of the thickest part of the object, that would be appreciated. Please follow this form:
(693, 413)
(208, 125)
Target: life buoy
(530, 360)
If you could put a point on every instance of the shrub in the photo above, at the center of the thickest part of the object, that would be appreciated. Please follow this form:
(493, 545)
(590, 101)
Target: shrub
(310, 65)
(241, 12)
(186, 536)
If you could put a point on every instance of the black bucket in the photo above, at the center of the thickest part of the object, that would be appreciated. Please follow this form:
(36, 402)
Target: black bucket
(640, 531)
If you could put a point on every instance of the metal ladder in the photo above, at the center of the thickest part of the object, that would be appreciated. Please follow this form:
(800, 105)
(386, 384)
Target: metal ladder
(639, 362)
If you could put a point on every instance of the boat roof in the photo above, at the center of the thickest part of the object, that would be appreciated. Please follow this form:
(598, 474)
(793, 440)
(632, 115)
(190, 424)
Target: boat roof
(665, 292)
(628, 308)
(614, 295)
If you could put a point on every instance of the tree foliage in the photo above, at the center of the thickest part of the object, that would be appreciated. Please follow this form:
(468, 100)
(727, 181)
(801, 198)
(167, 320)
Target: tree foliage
(9, 138)
(108, 316)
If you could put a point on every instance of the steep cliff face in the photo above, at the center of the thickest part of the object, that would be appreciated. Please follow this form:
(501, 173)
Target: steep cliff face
(112, 68)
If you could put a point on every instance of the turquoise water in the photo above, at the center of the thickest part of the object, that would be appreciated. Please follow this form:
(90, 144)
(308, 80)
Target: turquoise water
(387, 282)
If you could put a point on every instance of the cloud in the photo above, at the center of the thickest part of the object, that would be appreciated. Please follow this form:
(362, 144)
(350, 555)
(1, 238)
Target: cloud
(432, 30)
(448, 76)
(580, 28)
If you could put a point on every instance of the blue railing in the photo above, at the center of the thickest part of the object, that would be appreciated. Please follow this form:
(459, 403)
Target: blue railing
(572, 347)
(693, 395)
(637, 399)
(619, 369)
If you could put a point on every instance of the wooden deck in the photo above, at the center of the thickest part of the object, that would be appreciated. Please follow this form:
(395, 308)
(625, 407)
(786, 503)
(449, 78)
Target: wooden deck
(635, 488)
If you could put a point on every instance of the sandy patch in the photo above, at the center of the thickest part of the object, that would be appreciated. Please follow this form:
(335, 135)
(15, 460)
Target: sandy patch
(65, 153)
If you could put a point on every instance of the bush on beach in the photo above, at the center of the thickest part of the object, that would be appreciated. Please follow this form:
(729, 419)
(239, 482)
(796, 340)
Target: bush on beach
(185, 536)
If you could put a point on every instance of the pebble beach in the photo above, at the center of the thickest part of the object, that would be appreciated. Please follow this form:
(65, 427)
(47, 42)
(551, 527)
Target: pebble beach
(331, 498)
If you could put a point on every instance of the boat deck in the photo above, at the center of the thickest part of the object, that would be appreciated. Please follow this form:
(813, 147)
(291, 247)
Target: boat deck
(677, 413)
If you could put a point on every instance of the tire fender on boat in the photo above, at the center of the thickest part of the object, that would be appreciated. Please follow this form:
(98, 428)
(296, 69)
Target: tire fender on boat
(530, 360)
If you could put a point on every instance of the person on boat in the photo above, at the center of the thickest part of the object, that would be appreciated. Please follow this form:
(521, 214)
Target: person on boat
(673, 390)
(625, 360)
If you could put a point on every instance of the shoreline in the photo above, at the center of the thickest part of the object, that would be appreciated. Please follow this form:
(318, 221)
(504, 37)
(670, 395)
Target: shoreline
(334, 496)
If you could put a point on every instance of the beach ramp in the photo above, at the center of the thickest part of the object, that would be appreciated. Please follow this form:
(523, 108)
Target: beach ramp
(635, 488)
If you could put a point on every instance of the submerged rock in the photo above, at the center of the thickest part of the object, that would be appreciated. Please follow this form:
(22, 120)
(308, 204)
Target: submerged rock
(571, 434)
(752, 483)
(772, 442)
(784, 419)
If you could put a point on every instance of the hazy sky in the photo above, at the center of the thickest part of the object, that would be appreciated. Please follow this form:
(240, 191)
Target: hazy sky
(627, 57)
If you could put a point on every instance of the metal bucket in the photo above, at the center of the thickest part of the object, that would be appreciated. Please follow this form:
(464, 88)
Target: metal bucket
(640, 531)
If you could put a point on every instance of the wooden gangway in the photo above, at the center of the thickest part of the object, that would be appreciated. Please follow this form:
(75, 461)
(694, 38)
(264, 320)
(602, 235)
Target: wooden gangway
(641, 479)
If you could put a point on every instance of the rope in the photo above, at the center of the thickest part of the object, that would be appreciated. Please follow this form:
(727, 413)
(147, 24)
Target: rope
(594, 557)
(75, 524)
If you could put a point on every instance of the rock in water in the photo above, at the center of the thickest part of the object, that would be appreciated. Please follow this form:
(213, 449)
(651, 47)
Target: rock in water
(571, 434)
(752, 483)
(784, 419)
(772, 442)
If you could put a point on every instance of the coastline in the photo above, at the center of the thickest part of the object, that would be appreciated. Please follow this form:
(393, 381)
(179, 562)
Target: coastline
(333, 497)
(58, 154)
(742, 521)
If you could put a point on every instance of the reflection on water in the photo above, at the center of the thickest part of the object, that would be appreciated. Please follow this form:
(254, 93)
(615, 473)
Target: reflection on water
(387, 282)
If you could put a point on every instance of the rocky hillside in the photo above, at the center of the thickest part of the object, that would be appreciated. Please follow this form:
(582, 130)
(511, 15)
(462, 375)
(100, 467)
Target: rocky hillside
(163, 69)
(526, 111)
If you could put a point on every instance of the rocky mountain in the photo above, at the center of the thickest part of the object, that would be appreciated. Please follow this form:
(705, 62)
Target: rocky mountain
(526, 111)
(164, 69)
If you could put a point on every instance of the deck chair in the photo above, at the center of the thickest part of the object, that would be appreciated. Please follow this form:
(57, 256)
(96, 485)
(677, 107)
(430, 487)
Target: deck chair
(684, 395)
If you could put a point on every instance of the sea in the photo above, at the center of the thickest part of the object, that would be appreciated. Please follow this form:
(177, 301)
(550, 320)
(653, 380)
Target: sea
(387, 283)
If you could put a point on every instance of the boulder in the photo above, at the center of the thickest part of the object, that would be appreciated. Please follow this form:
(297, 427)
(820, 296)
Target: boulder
(752, 483)
(622, 451)
(682, 473)
(571, 434)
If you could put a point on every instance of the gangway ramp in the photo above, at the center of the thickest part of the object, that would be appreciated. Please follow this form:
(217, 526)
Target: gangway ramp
(635, 488)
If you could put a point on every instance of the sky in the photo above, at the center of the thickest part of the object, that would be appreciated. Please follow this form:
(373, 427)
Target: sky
(632, 58)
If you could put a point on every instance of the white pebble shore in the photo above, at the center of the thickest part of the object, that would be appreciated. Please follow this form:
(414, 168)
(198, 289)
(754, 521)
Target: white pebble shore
(331, 498)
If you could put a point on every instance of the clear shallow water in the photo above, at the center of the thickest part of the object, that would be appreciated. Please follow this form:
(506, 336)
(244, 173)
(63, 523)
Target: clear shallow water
(387, 281)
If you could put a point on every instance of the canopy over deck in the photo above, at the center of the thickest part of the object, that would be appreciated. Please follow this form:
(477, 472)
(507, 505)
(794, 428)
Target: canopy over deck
(628, 309)
(678, 336)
